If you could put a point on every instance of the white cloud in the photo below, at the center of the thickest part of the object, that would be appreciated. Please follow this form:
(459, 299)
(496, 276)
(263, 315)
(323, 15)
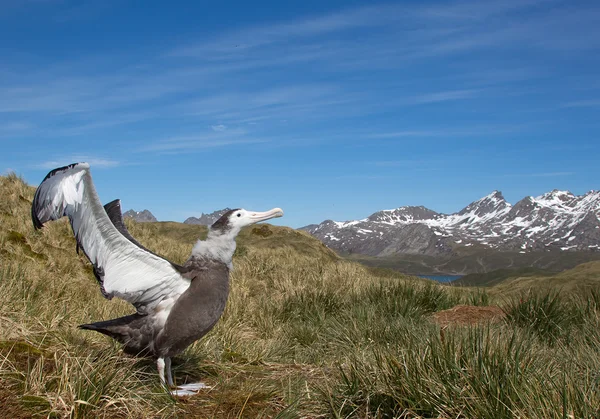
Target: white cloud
(445, 96)
(582, 104)
(264, 35)
(551, 174)
(366, 177)
(186, 143)
(198, 84)
(477, 130)
(541, 174)
(407, 134)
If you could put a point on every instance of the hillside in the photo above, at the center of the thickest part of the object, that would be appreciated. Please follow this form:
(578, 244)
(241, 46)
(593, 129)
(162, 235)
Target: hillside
(583, 278)
(305, 334)
(506, 282)
(497, 276)
(476, 260)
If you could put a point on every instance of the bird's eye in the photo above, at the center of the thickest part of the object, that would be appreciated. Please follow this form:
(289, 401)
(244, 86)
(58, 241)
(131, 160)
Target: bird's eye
(239, 214)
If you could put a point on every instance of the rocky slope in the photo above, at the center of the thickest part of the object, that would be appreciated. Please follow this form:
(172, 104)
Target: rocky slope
(207, 219)
(144, 216)
(557, 220)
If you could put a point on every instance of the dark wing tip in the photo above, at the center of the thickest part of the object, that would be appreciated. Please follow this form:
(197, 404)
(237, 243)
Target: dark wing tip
(113, 210)
(35, 205)
(37, 224)
(86, 326)
(60, 169)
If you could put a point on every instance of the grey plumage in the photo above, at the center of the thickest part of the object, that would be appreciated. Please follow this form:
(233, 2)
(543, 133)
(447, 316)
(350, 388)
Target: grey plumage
(199, 307)
(192, 316)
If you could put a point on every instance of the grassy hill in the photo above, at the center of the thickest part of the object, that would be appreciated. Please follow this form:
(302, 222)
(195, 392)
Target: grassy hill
(305, 334)
(489, 279)
(474, 259)
(583, 278)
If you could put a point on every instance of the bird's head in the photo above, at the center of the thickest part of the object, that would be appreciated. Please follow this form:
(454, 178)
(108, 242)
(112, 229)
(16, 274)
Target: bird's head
(232, 221)
(220, 243)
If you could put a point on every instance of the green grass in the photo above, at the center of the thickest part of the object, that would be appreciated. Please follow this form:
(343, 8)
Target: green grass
(583, 278)
(478, 259)
(305, 334)
(489, 279)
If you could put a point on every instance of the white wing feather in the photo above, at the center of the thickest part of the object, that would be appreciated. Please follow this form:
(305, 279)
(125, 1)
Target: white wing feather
(124, 269)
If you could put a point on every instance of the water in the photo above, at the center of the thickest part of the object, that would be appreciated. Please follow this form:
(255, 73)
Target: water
(441, 278)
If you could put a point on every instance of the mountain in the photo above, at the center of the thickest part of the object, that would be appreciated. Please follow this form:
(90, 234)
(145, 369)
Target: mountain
(207, 219)
(557, 220)
(144, 216)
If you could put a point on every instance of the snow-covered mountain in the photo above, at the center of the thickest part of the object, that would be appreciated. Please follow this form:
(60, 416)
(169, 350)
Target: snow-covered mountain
(140, 216)
(555, 220)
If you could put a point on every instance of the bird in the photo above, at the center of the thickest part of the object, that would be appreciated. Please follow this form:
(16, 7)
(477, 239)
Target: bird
(175, 304)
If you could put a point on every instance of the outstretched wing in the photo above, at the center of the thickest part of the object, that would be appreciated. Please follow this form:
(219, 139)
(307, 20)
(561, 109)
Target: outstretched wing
(113, 209)
(124, 269)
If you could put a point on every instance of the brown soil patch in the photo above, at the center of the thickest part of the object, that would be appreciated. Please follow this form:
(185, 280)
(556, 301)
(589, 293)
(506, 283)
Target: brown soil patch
(466, 315)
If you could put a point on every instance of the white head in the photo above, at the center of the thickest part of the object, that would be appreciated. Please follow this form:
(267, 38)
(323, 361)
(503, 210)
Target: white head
(232, 221)
(220, 242)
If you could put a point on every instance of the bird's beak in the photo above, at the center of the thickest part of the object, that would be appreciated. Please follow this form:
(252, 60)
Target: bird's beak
(256, 217)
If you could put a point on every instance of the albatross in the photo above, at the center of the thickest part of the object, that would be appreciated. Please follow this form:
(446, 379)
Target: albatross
(175, 304)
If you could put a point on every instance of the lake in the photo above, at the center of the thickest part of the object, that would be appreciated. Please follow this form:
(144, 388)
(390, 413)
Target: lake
(441, 278)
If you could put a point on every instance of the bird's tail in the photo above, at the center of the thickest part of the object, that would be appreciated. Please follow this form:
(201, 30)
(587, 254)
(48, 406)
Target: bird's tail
(128, 330)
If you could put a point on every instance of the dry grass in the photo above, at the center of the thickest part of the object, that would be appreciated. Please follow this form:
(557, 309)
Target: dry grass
(305, 334)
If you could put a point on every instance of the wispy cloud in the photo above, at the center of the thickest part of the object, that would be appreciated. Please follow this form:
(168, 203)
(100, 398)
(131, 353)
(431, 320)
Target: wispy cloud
(209, 79)
(406, 163)
(361, 177)
(408, 134)
(12, 128)
(467, 131)
(187, 143)
(241, 77)
(540, 174)
(551, 174)
(582, 104)
(444, 96)
(261, 36)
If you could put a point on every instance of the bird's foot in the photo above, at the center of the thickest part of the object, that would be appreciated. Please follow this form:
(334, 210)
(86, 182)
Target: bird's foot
(188, 389)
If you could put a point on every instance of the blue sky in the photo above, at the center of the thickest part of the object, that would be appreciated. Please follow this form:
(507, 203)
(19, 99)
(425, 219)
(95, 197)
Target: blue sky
(329, 110)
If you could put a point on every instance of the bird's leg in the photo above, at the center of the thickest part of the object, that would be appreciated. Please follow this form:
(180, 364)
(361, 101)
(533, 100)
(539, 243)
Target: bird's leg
(167, 379)
(160, 364)
(189, 389)
(169, 375)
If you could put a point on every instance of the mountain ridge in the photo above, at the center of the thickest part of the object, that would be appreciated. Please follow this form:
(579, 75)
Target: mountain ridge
(207, 219)
(144, 216)
(556, 220)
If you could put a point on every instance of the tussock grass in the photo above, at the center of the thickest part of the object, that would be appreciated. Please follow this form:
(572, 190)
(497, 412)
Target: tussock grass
(549, 316)
(304, 334)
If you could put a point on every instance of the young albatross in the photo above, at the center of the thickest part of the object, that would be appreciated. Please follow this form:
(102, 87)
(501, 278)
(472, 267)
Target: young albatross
(175, 304)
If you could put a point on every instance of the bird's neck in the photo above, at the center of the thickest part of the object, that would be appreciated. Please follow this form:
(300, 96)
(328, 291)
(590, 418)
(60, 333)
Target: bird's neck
(220, 247)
